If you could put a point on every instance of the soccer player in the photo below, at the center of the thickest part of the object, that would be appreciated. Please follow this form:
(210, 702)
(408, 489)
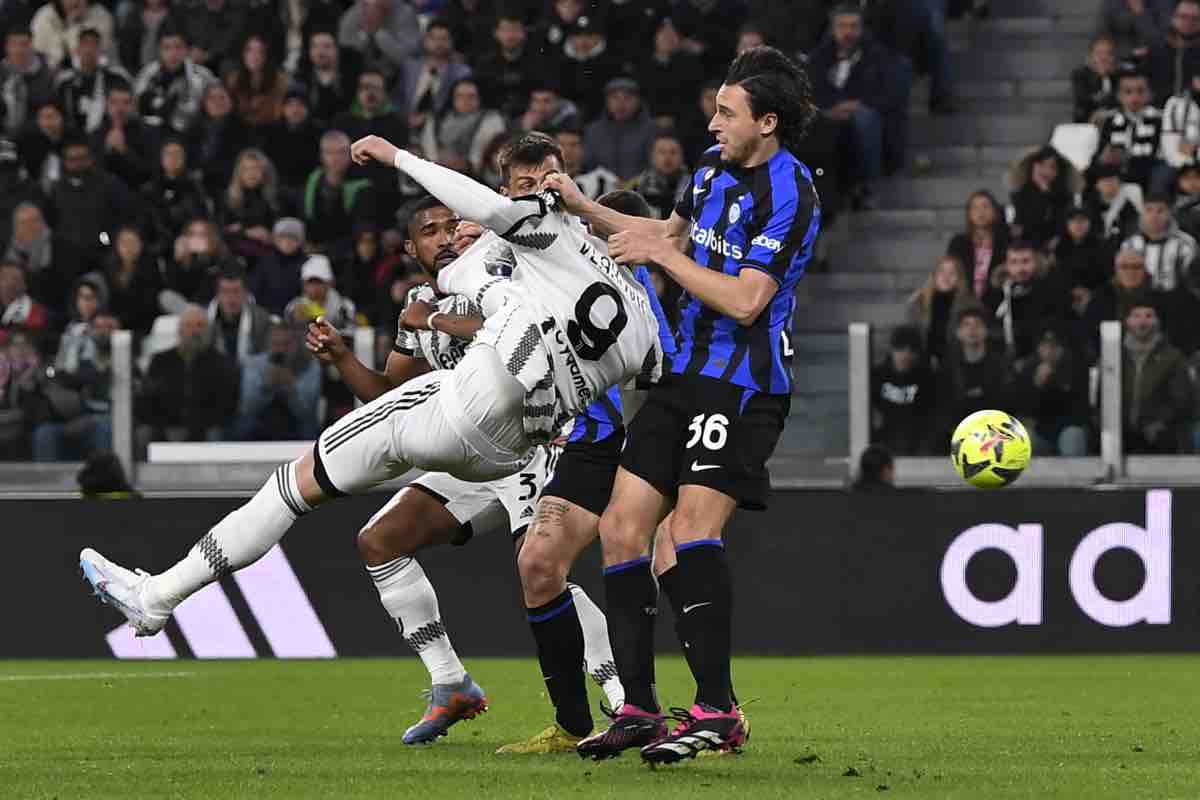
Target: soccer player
(567, 326)
(566, 522)
(701, 442)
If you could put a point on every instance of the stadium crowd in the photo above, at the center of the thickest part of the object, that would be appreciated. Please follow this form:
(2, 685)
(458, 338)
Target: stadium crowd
(1010, 315)
(181, 170)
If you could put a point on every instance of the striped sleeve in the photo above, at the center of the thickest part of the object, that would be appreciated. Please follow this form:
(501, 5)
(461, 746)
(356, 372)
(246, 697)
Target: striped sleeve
(792, 201)
(406, 343)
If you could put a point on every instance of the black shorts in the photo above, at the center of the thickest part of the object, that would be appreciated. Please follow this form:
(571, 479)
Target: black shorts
(585, 472)
(706, 432)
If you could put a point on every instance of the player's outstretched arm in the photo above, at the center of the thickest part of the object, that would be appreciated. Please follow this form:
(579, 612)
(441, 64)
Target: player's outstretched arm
(464, 196)
(606, 221)
(324, 342)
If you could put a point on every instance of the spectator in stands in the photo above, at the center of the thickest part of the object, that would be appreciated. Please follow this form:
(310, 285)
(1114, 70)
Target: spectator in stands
(1187, 199)
(594, 183)
(1131, 137)
(293, 142)
(124, 143)
(560, 19)
(1050, 393)
(1024, 299)
(1094, 84)
(331, 83)
(424, 85)
(472, 22)
(1169, 252)
(1044, 184)
(667, 176)
(331, 201)
(710, 29)
(373, 113)
(216, 139)
(385, 33)
(669, 75)
(170, 91)
(458, 137)
(1156, 394)
(982, 247)
(26, 82)
(876, 470)
(40, 145)
(1082, 261)
(58, 26)
(280, 389)
(171, 198)
(250, 205)
(89, 203)
(621, 139)
(19, 312)
(50, 260)
(934, 307)
(508, 74)
(974, 376)
(276, 277)
(190, 392)
(240, 327)
(1116, 207)
(214, 30)
(587, 66)
(79, 393)
(1171, 64)
(1113, 300)
(82, 91)
(548, 110)
(200, 255)
(318, 298)
(257, 85)
(693, 126)
(16, 187)
(749, 37)
(854, 85)
(137, 35)
(19, 370)
(1136, 25)
(902, 401)
(88, 297)
(133, 281)
(361, 272)
(1180, 137)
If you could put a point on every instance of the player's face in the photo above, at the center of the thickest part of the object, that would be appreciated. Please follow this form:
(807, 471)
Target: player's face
(735, 127)
(433, 238)
(526, 179)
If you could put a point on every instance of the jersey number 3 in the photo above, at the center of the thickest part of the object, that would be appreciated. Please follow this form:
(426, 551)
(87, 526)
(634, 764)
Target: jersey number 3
(588, 340)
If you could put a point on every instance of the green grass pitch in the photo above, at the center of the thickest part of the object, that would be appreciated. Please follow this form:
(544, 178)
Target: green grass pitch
(1078, 727)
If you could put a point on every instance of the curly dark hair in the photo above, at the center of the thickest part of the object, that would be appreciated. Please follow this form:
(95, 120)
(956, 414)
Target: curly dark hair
(775, 84)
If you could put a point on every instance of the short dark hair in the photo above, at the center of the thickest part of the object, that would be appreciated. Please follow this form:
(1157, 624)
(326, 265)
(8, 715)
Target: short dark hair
(529, 149)
(972, 311)
(18, 30)
(91, 33)
(233, 272)
(171, 29)
(373, 71)
(1157, 197)
(1020, 244)
(627, 202)
(119, 85)
(871, 464)
(443, 23)
(75, 140)
(667, 133)
(416, 207)
(844, 9)
(1132, 73)
(775, 84)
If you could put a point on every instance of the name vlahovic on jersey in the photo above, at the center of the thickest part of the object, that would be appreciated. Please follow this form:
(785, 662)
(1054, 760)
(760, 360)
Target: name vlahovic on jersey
(764, 218)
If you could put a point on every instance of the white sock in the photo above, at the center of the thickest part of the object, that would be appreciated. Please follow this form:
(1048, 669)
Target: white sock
(241, 538)
(409, 597)
(597, 652)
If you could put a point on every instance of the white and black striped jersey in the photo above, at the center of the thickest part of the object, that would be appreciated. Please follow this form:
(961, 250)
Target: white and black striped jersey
(1168, 260)
(1181, 124)
(1139, 134)
(441, 350)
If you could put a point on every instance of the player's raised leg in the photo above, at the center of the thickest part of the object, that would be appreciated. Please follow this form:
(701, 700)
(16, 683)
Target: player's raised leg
(411, 521)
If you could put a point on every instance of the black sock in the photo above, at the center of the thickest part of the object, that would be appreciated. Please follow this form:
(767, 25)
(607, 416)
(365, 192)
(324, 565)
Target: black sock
(706, 605)
(632, 600)
(668, 583)
(559, 640)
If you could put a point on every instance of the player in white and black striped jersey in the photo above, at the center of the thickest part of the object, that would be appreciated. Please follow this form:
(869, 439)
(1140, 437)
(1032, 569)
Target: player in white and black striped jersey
(1168, 251)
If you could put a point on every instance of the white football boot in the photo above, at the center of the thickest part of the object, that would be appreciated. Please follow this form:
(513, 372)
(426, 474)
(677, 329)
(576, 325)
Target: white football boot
(122, 589)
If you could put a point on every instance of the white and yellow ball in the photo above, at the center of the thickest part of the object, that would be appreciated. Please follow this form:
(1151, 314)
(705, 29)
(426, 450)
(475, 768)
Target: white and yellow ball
(990, 449)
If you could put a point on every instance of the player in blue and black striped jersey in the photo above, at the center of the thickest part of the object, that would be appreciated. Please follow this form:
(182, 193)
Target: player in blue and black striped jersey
(700, 444)
(565, 522)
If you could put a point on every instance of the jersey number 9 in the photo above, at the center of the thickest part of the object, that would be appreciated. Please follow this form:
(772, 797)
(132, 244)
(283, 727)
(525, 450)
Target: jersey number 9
(587, 339)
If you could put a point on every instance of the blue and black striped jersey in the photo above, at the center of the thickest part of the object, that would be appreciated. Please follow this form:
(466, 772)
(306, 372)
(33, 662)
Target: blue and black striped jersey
(763, 218)
(602, 418)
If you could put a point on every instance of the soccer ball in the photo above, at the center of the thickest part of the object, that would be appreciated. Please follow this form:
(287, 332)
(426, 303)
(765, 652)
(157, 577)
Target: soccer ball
(990, 449)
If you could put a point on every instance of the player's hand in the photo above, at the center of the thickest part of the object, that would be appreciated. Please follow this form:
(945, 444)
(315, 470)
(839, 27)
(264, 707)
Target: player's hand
(324, 342)
(635, 247)
(572, 196)
(373, 148)
(466, 235)
(415, 316)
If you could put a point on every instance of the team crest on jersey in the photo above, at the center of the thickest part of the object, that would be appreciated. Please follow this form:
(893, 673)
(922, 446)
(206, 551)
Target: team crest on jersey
(735, 213)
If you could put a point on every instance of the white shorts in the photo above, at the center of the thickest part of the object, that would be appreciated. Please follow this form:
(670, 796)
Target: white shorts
(466, 422)
(517, 493)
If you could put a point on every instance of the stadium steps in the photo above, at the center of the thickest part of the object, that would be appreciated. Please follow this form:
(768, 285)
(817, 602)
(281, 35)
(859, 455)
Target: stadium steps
(1012, 74)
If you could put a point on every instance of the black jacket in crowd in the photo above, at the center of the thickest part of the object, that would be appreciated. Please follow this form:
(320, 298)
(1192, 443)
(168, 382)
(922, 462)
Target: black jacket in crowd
(872, 80)
(1033, 306)
(195, 395)
(1062, 401)
(902, 405)
(1092, 92)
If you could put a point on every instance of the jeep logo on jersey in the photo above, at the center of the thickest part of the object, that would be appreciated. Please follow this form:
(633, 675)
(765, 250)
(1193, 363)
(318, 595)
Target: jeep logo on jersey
(1023, 545)
(708, 239)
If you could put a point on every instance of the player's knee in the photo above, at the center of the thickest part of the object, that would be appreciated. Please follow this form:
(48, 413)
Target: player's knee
(621, 534)
(543, 576)
(687, 525)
